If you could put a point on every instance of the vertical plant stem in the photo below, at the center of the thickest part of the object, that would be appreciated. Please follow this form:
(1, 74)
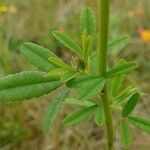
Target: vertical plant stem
(109, 121)
(102, 63)
(103, 35)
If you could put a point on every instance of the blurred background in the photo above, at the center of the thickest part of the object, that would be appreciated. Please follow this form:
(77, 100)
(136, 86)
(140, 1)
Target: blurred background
(34, 20)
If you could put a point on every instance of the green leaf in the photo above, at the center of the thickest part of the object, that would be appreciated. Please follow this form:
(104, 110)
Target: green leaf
(63, 74)
(57, 72)
(130, 105)
(124, 95)
(26, 85)
(67, 42)
(53, 110)
(126, 135)
(93, 64)
(79, 115)
(120, 40)
(59, 63)
(37, 56)
(121, 69)
(116, 85)
(117, 81)
(87, 21)
(74, 101)
(91, 88)
(68, 76)
(87, 43)
(79, 81)
(140, 123)
(100, 116)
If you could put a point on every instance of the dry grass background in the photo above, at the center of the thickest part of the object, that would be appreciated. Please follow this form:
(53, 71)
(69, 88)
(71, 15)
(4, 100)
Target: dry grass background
(33, 20)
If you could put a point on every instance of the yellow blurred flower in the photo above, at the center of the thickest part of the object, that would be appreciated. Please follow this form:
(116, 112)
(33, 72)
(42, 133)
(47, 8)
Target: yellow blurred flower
(3, 8)
(10, 9)
(145, 35)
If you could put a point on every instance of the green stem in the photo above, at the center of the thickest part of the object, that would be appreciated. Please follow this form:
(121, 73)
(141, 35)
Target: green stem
(102, 62)
(108, 118)
(103, 35)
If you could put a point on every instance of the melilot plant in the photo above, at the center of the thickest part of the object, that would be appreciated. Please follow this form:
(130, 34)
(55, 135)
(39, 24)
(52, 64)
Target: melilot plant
(98, 87)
